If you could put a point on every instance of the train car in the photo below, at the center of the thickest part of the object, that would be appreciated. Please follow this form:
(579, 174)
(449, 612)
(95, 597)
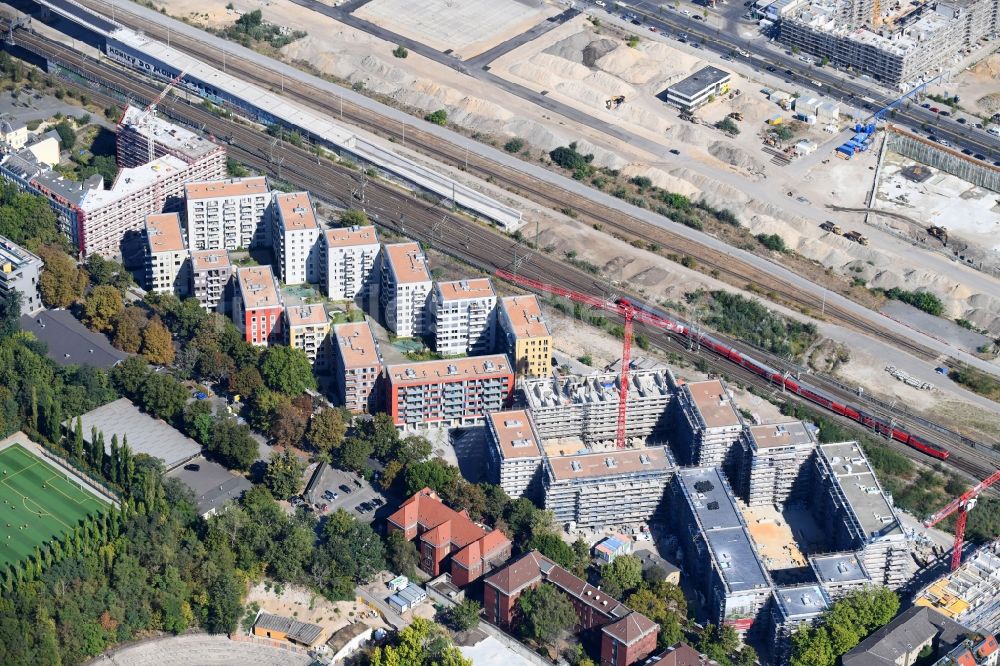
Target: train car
(932, 451)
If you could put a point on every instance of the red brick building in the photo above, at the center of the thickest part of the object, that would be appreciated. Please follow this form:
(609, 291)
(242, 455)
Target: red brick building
(448, 540)
(626, 637)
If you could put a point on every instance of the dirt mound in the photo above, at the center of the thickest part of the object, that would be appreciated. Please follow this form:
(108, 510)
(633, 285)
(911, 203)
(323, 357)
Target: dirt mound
(990, 103)
(731, 154)
(583, 47)
(988, 67)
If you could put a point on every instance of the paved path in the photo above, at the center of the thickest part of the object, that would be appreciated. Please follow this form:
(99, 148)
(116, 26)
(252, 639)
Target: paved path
(971, 278)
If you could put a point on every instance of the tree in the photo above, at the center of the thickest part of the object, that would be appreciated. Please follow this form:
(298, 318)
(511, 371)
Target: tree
(463, 616)
(658, 610)
(354, 547)
(287, 370)
(354, 217)
(233, 445)
(157, 343)
(553, 547)
(400, 51)
(327, 430)
(129, 375)
(435, 474)
(246, 382)
(546, 611)
(61, 282)
(67, 137)
(284, 474)
(439, 117)
(401, 554)
(514, 145)
(625, 572)
(224, 605)
(420, 644)
(288, 424)
(102, 307)
(128, 329)
(354, 453)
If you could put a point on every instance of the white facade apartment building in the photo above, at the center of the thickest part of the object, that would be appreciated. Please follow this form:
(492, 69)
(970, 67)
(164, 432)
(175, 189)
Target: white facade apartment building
(515, 453)
(211, 273)
(462, 316)
(404, 288)
(296, 238)
(168, 263)
(308, 329)
(228, 214)
(20, 271)
(774, 467)
(709, 426)
(357, 366)
(349, 256)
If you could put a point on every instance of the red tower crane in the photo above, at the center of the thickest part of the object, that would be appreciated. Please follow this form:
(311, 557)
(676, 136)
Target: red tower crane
(620, 306)
(962, 504)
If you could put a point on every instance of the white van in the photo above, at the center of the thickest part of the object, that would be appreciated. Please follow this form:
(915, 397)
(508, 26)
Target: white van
(994, 130)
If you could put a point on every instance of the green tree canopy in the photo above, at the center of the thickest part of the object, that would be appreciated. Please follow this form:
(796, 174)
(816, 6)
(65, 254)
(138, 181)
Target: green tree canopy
(625, 573)
(283, 476)
(546, 613)
(287, 370)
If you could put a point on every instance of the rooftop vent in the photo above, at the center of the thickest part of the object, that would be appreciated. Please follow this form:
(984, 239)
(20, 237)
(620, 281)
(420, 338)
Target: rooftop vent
(611, 462)
(643, 459)
(512, 423)
(452, 369)
(520, 443)
(489, 365)
(575, 465)
(410, 373)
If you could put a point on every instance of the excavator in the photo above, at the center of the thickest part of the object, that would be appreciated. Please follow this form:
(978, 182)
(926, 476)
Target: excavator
(614, 102)
(941, 233)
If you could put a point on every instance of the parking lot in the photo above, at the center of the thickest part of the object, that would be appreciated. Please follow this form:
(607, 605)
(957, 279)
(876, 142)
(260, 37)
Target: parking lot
(358, 491)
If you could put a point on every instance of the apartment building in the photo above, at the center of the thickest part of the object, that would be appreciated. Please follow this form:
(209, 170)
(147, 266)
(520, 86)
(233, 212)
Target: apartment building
(228, 214)
(257, 306)
(854, 512)
(19, 271)
(206, 159)
(774, 465)
(211, 275)
(457, 392)
(515, 453)
(839, 574)
(357, 367)
(793, 607)
(462, 316)
(586, 406)
(524, 336)
(626, 637)
(296, 238)
(168, 263)
(404, 288)
(720, 557)
(349, 257)
(621, 486)
(708, 426)
(307, 327)
(448, 540)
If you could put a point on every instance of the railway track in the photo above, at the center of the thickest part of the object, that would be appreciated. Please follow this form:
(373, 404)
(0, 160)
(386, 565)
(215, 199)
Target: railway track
(397, 210)
(616, 222)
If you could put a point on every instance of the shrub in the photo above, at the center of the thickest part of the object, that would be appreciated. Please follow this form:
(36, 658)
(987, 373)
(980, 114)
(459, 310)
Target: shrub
(772, 242)
(922, 300)
(439, 117)
(400, 51)
(514, 145)
(728, 126)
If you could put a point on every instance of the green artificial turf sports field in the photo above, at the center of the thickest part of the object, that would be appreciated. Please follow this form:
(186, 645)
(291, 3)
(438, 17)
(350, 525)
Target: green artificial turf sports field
(37, 503)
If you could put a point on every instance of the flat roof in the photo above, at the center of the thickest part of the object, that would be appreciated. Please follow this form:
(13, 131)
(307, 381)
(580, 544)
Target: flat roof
(127, 182)
(408, 262)
(350, 236)
(145, 434)
(596, 388)
(737, 559)
(861, 488)
(448, 370)
(775, 435)
(303, 632)
(258, 288)
(525, 316)
(801, 602)
(515, 434)
(163, 233)
(167, 134)
(838, 568)
(212, 484)
(307, 315)
(12, 253)
(207, 260)
(712, 401)
(459, 290)
(296, 211)
(610, 463)
(357, 345)
(232, 187)
(69, 342)
(705, 77)
(709, 497)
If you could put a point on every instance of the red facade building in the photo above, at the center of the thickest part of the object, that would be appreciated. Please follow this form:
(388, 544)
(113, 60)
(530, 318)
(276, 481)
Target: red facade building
(448, 540)
(258, 308)
(626, 637)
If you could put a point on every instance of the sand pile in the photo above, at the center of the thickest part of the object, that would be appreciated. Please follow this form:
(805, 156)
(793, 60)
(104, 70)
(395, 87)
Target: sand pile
(990, 103)
(731, 154)
(663, 179)
(988, 67)
(687, 133)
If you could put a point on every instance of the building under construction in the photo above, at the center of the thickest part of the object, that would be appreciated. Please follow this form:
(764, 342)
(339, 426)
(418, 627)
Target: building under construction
(708, 426)
(970, 595)
(774, 467)
(586, 406)
(839, 574)
(855, 513)
(791, 607)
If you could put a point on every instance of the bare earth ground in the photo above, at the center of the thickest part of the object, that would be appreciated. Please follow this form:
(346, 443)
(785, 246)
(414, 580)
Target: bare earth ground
(978, 87)
(304, 605)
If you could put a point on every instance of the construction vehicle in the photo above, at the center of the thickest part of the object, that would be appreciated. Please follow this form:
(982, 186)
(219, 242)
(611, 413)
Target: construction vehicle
(614, 102)
(962, 505)
(736, 115)
(832, 228)
(941, 233)
(856, 237)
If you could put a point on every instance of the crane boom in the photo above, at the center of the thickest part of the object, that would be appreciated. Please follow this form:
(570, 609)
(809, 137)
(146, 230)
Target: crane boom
(962, 504)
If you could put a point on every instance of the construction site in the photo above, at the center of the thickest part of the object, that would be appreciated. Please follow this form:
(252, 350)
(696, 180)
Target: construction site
(970, 595)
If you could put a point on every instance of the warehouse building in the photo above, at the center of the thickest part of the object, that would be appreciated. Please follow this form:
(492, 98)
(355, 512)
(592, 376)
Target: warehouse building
(586, 407)
(168, 263)
(295, 238)
(349, 257)
(774, 464)
(19, 271)
(709, 426)
(854, 512)
(969, 595)
(257, 306)
(404, 288)
(524, 336)
(617, 487)
(719, 553)
(462, 316)
(698, 89)
(211, 275)
(357, 367)
(515, 451)
(308, 329)
(839, 574)
(457, 392)
(228, 214)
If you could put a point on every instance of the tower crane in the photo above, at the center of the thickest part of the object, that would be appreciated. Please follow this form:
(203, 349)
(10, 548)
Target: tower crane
(629, 313)
(962, 504)
(149, 112)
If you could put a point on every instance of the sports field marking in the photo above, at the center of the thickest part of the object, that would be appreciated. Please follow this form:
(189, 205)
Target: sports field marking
(86, 496)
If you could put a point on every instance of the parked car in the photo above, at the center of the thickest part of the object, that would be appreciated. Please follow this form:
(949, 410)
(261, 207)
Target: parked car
(941, 370)
(192, 467)
(980, 156)
(360, 508)
(966, 151)
(961, 121)
(934, 109)
(344, 488)
(377, 501)
(358, 483)
(674, 151)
